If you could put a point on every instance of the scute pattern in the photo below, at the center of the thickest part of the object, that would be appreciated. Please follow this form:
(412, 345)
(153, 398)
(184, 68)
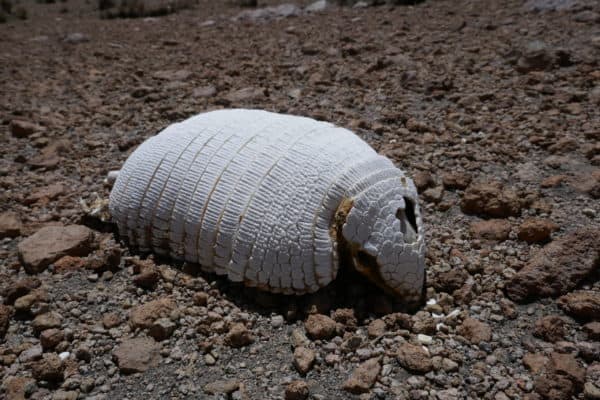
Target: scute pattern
(252, 194)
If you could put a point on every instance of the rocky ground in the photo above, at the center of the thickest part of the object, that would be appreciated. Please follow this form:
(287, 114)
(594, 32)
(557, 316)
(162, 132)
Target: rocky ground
(494, 109)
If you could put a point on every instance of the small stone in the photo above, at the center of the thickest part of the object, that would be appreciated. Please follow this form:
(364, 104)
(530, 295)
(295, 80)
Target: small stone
(209, 359)
(162, 329)
(567, 365)
(49, 157)
(363, 377)
(536, 230)
(456, 180)
(553, 387)
(475, 331)
(304, 359)
(245, 94)
(592, 329)
(25, 304)
(45, 321)
(422, 322)
(18, 387)
(5, 314)
(590, 390)
(296, 390)
(346, 317)
(451, 280)
(492, 200)
(83, 353)
(277, 321)
(10, 225)
(31, 354)
(172, 75)
(204, 91)
(19, 288)
(68, 264)
(551, 328)
(535, 57)
(493, 229)
(449, 365)
(536, 362)
(424, 339)
(319, 326)
(414, 358)
(298, 338)
(143, 316)
(238, 336)
(223, 386)
(65, 395)
(141, 91)
(50, 338)
(434, 194)
(53, 242)
(582, 304)
(423, 180)
(316, 6)
(376, 328)
(553, 181)
(111, 320)
(45, 194)
(49, 368)
(147, 278)
(200, 299)
(22, 129)
(136, 355)
(76, 37)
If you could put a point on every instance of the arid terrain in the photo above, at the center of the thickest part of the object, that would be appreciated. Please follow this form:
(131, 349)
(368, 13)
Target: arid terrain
(493, 107)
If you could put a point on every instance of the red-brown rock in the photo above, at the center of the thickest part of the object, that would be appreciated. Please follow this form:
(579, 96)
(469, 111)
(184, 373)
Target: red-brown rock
(10, 224)
(137, 355)
(475, 331)
(22, 129)
(297, 390)
(492, 200)
(456, 180)
(493, 229)
(551, 328)
(5, 314)
(143, 316)
(46, 193)
(363, 377)
(414, 358)
(49, 368)
(558, 267)
(319, 326)
(536, 230)
(582, 304)
(239, 336)
(68, 263)
(20, 288)
(53, 242)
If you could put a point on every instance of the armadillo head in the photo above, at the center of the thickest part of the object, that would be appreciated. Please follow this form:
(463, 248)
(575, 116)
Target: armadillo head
(384, 233)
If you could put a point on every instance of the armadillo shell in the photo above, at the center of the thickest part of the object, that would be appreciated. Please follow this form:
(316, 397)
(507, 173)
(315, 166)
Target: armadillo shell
(248, 194)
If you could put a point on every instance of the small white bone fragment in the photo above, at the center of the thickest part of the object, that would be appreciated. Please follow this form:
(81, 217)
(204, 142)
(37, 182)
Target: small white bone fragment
(273, 201)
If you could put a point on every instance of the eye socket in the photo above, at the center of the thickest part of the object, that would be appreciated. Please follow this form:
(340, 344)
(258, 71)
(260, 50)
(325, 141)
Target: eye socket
(366, 260)
(407, 214)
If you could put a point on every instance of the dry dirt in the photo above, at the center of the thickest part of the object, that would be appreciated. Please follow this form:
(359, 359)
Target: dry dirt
(492, 106)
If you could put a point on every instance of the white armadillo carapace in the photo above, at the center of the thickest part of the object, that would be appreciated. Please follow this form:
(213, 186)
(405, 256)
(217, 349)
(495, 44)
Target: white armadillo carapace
(273, 201)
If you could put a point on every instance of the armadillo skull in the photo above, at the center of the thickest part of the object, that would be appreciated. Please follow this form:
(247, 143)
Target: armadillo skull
(271, 200)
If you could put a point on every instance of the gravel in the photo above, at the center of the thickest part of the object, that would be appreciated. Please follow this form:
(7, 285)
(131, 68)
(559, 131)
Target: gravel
(491, 106)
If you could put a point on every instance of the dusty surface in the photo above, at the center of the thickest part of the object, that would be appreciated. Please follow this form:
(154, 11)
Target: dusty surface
(494, 109)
